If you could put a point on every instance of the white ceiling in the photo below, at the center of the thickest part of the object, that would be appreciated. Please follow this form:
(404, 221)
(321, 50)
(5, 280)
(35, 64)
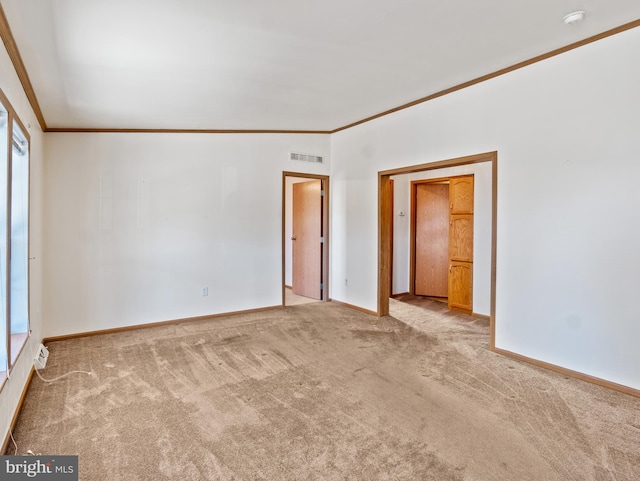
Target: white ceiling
(276, 64)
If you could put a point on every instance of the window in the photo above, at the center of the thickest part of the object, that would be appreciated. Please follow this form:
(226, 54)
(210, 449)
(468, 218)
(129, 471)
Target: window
(4, 167)
(14, 237)
(19, 238)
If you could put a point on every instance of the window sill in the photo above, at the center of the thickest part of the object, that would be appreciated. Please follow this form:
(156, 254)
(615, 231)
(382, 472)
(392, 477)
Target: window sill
(17, 341)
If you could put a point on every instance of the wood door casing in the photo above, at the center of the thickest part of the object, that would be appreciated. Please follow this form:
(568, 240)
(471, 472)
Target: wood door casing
(489, 159)
(306, 233)
(391, 215)
(431, 239)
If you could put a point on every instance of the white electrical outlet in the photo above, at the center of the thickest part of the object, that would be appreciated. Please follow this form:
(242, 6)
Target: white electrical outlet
(205, 291)
(40, 361)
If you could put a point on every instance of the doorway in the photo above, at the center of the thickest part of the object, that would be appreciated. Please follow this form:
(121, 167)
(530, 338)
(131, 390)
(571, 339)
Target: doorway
(305, 238)
(385, 231)
(442, 225)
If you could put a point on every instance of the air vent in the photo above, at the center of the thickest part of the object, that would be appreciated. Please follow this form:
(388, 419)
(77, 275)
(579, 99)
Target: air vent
(314, 159)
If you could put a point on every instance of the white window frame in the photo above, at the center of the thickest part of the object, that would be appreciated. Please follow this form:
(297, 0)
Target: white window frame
(13, 350)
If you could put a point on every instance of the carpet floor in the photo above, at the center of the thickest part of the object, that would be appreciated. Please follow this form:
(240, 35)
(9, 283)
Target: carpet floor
(323, 392)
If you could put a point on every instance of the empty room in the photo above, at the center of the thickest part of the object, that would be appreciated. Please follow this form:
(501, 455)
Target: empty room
(285, 240)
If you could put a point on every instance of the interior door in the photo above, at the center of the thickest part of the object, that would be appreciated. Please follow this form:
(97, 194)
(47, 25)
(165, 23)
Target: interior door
(461, 243)
(431, 239)
(306, 257)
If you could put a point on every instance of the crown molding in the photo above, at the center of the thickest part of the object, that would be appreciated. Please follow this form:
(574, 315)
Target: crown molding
(183, 131)
(497, 73)
(16, 59)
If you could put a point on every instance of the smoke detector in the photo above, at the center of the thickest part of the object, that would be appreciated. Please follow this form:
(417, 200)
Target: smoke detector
(574, 17)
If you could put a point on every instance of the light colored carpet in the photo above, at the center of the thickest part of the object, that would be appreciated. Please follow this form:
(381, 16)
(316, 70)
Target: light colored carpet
(322, 392)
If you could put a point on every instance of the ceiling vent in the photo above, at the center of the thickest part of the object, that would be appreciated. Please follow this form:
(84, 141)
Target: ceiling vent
(314, 159)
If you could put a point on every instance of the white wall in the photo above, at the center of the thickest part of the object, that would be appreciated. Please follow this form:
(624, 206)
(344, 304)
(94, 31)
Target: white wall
(10, 394)
(137, 224)
(481, 231)
(566, 131)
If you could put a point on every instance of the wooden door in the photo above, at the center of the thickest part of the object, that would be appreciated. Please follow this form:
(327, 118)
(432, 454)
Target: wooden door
(306, 257)
(431, 239)
(461, 286)
(461, 243)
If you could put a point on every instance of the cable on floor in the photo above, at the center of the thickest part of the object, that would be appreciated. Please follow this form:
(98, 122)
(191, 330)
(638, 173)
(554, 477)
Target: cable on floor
(63, 376)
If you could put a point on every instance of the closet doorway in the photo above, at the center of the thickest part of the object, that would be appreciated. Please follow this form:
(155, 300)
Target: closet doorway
(442, 240)
(305, 238)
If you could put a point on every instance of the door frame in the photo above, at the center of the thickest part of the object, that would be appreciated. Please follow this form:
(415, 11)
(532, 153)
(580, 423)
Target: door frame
(391, 206)
(325, 229)
(385, 232)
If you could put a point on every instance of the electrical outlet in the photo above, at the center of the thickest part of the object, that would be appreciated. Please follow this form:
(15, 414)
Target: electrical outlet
(205, 291)
(40, 361)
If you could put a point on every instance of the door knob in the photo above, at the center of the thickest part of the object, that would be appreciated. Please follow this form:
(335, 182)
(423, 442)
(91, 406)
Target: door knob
(293, 238)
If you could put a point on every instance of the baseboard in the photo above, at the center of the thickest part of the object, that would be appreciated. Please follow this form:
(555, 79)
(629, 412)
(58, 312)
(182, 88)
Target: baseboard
(357, 308)
(288, 287)
(481, 316)
(7, 439)
(156, 324)
(399, 294)
(568, 372)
